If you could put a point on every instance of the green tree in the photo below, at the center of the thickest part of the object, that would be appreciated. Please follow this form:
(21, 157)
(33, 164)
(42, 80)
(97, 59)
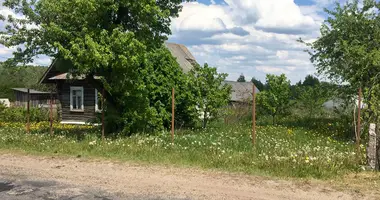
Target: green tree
(241, 78)
(111, 39)
(310, 80)
(312, 98)
(259, 85)
(276, 99)
(211, 94)
(348, 49)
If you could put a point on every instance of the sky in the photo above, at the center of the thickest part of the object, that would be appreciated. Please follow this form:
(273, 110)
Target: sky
(250, 37)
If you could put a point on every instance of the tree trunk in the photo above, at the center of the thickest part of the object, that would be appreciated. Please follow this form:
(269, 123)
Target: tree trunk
(204, 119)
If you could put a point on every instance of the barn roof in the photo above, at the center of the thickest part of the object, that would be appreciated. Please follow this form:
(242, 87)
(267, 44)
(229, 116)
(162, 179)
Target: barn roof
(241, 91)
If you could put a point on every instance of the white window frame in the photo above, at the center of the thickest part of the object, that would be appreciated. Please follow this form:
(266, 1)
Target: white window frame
(96, 102)
(71, 99)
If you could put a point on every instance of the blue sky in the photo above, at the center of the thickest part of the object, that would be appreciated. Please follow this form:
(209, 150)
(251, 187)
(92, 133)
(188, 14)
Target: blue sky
(250, 37)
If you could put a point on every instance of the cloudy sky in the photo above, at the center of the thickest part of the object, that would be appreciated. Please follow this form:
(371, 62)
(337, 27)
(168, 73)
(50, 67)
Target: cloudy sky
(250, 37)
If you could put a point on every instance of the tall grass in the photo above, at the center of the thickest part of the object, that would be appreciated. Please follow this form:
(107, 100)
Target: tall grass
(280, 151)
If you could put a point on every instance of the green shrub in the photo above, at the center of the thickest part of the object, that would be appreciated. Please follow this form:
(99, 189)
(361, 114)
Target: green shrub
(18, 114)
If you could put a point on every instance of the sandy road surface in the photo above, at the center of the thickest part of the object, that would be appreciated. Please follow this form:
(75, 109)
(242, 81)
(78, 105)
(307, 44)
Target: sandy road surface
(134, 181)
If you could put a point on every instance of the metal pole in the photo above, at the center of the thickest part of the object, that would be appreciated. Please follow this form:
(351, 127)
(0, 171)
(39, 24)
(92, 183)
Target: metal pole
(103, 125)
(358, 125)
(173, 107)
(51, 113)
(253, 114)
(28, 112)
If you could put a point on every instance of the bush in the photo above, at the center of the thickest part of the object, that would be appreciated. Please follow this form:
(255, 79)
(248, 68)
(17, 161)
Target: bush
(18, 114)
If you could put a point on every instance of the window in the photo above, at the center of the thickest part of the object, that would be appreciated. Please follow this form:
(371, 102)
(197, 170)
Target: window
(98, 102)
(76, 99)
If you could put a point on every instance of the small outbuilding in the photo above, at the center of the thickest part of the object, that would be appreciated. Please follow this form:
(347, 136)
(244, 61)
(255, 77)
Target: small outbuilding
(36, 98)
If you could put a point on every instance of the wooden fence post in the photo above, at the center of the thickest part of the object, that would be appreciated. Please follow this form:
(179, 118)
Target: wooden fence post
(371, 151)
(103, 125)
(358, 123)
(28, 112)
(173, 107)
(51, 113)
(253, 114)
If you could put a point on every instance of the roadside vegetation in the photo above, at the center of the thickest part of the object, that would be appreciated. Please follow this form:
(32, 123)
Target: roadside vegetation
(284, 151)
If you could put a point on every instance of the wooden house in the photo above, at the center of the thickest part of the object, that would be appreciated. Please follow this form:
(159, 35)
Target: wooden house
(241, 92)
(79, 99)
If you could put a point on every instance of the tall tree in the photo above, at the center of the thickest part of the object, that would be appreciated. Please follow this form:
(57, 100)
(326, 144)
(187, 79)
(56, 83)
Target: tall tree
(241, 78)
(108, 38)
(348, 49)
(276, 99)
(259, 85)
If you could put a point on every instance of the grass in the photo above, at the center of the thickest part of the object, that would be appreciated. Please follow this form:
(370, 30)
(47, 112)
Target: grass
(280, 151)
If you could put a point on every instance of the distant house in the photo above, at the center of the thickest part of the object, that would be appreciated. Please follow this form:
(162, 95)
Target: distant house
(337, 103)
(36, 98)
(241, 92)
(79, 99)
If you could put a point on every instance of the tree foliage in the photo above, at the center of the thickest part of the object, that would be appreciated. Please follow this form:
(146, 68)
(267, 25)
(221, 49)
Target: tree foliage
(84, 29)
(312, 98)
(276, 99)
(348, 49)
(259, 85)
(210, 92)
(310, 80)
(241, 78)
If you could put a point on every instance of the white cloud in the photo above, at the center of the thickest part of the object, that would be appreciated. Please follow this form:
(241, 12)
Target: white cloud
(271, 70)
(291, 68)
(282, 54)
(271, 15)
(5, 51)
(253, 37)
(197, 16)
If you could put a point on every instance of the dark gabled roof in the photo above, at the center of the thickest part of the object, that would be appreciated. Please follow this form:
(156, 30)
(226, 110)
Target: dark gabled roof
(184, 58)
(241, 91)
(31, 91)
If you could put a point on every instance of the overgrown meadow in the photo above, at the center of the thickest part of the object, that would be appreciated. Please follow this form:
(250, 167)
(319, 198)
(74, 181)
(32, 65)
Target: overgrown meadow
(279, 151)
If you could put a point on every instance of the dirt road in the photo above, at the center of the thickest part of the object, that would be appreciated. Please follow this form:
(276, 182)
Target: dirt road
(134, 181)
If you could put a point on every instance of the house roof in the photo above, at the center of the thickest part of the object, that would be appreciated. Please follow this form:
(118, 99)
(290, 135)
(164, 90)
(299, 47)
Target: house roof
(65, 76)
(184, 58)
(31, 91)
(241, 91)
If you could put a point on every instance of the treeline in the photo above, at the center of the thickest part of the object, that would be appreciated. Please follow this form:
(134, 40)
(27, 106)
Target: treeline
(19, 77)
(308, 98)
(309, 81)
